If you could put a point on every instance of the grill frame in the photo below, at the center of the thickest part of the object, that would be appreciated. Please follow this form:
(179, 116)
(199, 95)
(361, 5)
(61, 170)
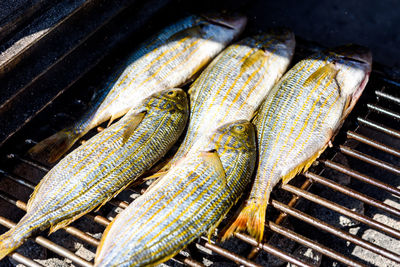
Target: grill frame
(11, 146)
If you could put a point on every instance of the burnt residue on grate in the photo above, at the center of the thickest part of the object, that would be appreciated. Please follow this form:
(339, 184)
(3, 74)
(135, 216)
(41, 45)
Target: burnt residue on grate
(344, 212)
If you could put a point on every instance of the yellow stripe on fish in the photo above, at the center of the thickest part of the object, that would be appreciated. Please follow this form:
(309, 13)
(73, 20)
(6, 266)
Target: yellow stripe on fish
(234, 85)
(298, 119)
(191, 199)
(103, 166)
(169, 59)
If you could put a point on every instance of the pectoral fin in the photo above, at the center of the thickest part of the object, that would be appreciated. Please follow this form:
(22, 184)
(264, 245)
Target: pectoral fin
(212, 158)
(133, 123)
(326, 72)
(302, 167)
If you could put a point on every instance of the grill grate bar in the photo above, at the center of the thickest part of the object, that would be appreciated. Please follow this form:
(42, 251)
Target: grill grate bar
(384, 111)
(28, 162)
(314, 245)
(44, 242)
(388, 97)
(379, 127)
(373, 143)
(371, 160)
(18, 180)
(24, 260)
(228, 254)
(270, 249)
(345, 211)
(352, 193)
(337, 232)
(362, 177)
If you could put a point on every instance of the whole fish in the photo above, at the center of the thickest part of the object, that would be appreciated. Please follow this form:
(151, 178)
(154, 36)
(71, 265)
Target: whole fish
(234, 85)
(169, 59)
(191, 199)
(297, 121)
(102, 167)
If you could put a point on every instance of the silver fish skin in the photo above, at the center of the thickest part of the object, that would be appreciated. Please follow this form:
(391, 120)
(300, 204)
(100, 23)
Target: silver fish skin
(191, 199)
(169, 59)
(234, 85)
(102, 167)
(297, 121)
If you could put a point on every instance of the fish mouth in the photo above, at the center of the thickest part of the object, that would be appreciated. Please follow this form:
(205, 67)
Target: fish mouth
(355, 52)
(234, 21)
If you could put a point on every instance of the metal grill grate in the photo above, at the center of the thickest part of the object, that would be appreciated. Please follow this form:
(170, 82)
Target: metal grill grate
(362, 168)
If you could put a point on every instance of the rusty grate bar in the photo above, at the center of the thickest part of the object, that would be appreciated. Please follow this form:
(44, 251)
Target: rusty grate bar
(226, 253)
(342, 210)
(369, 159)
(373, 143)
(337, 232)
(388, 97)
(24, 260)
(379, 127)
(384, 111)
(352, 193)
(362, 177)
(270, 249)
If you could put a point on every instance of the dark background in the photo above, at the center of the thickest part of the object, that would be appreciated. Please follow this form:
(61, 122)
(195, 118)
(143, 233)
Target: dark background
(375, 24)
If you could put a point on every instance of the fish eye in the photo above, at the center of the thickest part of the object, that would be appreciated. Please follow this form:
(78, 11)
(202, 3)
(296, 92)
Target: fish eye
(171, 93)
(239, 128)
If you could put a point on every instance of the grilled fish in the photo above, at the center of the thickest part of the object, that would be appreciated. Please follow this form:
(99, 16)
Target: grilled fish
(191, 199)
(234, 85)
(297, 121)
(103, 166)
(169, 59)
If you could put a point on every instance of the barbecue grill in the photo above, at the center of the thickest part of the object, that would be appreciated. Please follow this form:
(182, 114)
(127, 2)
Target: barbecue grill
(343, 212)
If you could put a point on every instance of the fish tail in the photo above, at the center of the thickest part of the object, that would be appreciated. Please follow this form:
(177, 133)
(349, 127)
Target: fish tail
(251, 218)
(53, 147)
(8, 243)
(16, 236)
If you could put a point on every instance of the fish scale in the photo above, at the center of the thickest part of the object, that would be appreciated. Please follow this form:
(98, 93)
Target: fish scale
(234, 85)
(103, 166)
(297, 120)
(191, 199)
(167, 60)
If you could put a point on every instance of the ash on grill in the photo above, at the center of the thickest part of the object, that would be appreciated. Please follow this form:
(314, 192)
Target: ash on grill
(344, 211)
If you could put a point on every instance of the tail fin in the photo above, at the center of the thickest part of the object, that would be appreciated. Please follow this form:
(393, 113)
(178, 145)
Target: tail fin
(9, 242)
(252, 218)
(53, 147)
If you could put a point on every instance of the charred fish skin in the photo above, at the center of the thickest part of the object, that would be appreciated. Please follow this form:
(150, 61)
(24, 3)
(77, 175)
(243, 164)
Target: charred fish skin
(234, 85)
(191, 199)
(103, 166)
(297, 121)
(169, 59)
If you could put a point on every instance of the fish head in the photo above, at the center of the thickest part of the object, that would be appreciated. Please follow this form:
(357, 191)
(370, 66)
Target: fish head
(276, 43)
(174, 100)
(353, 63)
(237, 136)
(222, 27)
(278, 40)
